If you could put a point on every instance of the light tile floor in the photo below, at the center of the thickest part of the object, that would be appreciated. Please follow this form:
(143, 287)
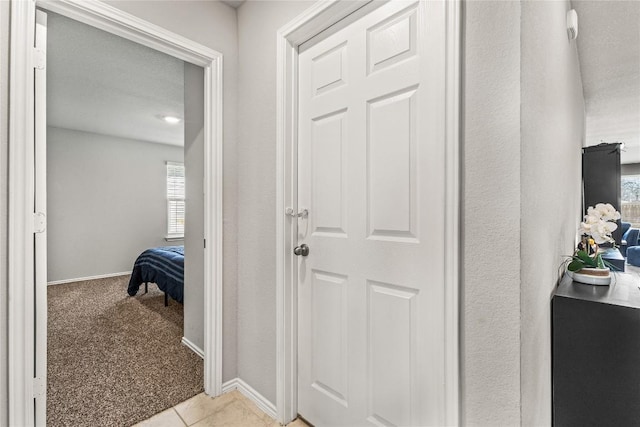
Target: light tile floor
(229, 410)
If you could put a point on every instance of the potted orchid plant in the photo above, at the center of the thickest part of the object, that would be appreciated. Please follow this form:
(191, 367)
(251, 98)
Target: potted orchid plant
(586, 263)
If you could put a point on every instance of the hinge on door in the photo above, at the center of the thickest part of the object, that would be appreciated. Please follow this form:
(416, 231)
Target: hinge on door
(39, 59)
(39, 387)
(39, 222)
(205, 243)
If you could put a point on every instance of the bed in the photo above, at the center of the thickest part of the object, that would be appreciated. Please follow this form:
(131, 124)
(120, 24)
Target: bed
(163, 266)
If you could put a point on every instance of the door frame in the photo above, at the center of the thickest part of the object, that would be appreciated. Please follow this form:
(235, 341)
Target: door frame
(21, 310)
(318, 18)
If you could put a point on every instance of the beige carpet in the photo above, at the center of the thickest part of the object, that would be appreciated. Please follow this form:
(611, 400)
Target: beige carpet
(115, 360)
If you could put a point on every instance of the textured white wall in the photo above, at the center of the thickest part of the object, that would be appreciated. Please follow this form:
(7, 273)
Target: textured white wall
(258, 22)
(212, 24)
(106, 201)
(553, 128)
(194, 227)
(491, 215)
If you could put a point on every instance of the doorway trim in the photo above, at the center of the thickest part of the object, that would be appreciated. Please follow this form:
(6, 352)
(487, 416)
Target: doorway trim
(318, 18)
(21, 311)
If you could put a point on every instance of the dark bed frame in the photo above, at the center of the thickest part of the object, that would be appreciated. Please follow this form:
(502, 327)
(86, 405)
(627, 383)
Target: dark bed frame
(166, 295)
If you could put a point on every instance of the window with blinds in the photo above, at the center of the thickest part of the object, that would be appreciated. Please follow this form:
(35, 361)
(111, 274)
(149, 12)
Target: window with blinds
(175, 199)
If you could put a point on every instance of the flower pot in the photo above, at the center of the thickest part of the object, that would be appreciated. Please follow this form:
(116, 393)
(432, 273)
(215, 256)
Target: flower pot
(592, 276)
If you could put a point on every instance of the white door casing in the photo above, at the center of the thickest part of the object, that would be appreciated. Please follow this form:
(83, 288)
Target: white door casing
(25, 316)
(410, 248)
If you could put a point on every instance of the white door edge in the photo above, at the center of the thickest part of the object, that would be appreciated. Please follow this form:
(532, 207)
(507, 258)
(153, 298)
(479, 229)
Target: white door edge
(309, 24)
(40, 212)
(453, 100)
(21, 350)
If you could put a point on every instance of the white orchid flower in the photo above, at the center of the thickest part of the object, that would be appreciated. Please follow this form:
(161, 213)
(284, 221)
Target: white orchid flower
(585, 228)
(591, 219)
(601, 232)
(608, 212)
(599, 223)
(594, 212)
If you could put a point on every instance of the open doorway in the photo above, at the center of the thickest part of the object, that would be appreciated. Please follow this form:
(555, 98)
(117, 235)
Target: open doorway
(27, 359)
(124, 123)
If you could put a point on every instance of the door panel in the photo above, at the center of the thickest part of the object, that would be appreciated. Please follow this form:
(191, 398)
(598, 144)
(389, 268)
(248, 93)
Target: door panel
(391, 169)
(371, 173)
(329, 327)
(328, 69)
(391, 327)
(328, 145)
(392, 40)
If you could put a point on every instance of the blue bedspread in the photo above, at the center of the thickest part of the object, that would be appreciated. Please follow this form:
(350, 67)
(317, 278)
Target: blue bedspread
(163, 266)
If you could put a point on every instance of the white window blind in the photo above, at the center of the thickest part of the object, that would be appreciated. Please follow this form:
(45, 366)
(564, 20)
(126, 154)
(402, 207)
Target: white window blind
(175, 199)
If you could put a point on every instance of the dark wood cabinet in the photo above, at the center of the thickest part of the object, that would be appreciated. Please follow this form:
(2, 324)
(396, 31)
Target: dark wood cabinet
(596, 353)
(614, 257)
(601, 178)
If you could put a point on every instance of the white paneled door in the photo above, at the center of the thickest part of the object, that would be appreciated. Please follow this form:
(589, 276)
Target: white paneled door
(371, 170)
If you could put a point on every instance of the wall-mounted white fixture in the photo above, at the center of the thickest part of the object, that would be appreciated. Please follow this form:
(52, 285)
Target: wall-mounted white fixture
(171, 119)
(572, 24)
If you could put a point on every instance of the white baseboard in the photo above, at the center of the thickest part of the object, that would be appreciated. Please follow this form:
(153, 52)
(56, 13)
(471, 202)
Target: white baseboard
(197, 350)
(250, 393)
(80, 279)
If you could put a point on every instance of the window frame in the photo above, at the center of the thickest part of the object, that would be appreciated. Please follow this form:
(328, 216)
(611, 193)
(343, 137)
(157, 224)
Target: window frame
(169, 236)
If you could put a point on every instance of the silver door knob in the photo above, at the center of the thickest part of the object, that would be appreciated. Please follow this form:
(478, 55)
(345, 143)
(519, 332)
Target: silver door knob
(302, 250)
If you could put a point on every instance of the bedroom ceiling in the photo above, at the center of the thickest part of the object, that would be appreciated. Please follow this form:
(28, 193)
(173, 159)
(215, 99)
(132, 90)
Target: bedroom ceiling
(98, 82)
(609, 50)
